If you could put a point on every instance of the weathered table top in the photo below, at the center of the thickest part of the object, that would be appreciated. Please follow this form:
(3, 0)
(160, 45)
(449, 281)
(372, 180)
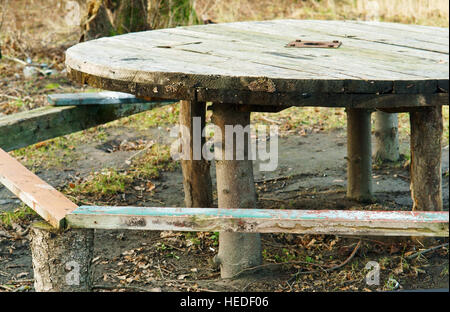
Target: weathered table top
(249, 63)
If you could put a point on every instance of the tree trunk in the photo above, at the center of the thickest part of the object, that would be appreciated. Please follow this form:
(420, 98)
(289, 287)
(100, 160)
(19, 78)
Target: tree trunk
(131, 16)
(196, 176)
(61, 260)
(171, 13)
(426, 175)
(235, 189)
(359, 156)
(386, 137)
(113, 17)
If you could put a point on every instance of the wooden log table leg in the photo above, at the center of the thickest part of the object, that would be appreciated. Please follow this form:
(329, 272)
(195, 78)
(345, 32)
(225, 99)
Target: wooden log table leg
(61, 259)
(196, 176)
(359, 155)
(386, 137)
(426, 176)
(235, 189)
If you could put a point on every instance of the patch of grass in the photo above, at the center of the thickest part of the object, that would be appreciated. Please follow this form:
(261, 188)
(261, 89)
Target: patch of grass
(309, 259)
(52, 86)
(106, 182)
(391, 283)
(162, 247)
(444, 271)
(21, 213)
(384, 262)
(61, 151)
(305, 119)
(56, 152)
(156, 159)
(160, 116)
(282, 256)
(109, 181)
(18, 103)
(172, 255)
(215, 238)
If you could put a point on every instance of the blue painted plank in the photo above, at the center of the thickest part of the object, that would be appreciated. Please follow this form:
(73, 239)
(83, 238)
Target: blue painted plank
(350, 215)
(91, 98)
(337, 222)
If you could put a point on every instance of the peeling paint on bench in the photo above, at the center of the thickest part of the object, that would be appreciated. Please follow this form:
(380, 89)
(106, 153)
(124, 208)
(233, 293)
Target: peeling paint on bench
(388, 223)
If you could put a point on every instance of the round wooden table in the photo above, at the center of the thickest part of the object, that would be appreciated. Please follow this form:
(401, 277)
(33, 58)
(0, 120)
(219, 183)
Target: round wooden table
(269, 66)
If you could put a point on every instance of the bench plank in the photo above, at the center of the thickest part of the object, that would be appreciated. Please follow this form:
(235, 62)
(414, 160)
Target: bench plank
(338, 222)
(97, 98)
(30, 127)
(37, 194)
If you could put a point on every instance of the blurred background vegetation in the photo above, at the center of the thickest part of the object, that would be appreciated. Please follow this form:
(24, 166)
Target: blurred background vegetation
(41, 30)
(30, 26)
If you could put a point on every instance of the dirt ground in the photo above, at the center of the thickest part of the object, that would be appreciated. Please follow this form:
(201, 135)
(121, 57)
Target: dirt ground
(311, 175)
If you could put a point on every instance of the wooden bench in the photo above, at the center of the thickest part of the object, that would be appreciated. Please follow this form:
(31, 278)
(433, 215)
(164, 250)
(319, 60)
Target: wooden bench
(68, 113)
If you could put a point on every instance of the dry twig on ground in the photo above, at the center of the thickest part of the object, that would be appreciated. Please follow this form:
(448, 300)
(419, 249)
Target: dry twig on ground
(425, 251)
(350, 257)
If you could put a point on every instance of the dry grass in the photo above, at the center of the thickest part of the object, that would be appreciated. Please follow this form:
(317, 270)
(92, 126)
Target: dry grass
(37, 29)
(34, 28)
(45, 28)
(424, 12)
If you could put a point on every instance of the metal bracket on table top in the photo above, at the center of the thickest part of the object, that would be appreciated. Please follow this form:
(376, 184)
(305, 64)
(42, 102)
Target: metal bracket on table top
(314, 44)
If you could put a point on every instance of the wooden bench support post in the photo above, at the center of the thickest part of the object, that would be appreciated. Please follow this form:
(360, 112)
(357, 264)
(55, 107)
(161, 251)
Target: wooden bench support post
(235, 188)
(359, 155)
(61, 259)
(196, 175)
(386, 137)
(426, 176)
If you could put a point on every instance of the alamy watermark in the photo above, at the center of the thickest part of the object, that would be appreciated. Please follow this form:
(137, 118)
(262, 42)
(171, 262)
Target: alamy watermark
(237, 143)
(373, 276)
(73, 277)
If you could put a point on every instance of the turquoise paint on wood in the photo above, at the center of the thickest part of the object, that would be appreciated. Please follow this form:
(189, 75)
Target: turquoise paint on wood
(94, 98)
(416, 216)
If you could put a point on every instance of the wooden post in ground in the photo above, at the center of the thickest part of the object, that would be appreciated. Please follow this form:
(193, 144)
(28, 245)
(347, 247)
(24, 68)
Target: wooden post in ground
(196, 176)
(386, 137)
(426, 176)
(61, 259)
(359, 155)
(235, 189)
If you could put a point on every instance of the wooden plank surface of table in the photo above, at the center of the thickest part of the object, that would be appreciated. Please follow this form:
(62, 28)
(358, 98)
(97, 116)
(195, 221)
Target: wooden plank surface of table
(252, 57)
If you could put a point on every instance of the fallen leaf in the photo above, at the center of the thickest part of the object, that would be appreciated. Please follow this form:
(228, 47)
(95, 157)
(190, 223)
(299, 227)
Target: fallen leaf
(150, 186)
(40, 144)
(311, 243)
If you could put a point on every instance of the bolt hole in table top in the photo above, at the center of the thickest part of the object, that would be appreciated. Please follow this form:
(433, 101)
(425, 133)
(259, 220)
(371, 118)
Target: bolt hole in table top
(251, 66)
